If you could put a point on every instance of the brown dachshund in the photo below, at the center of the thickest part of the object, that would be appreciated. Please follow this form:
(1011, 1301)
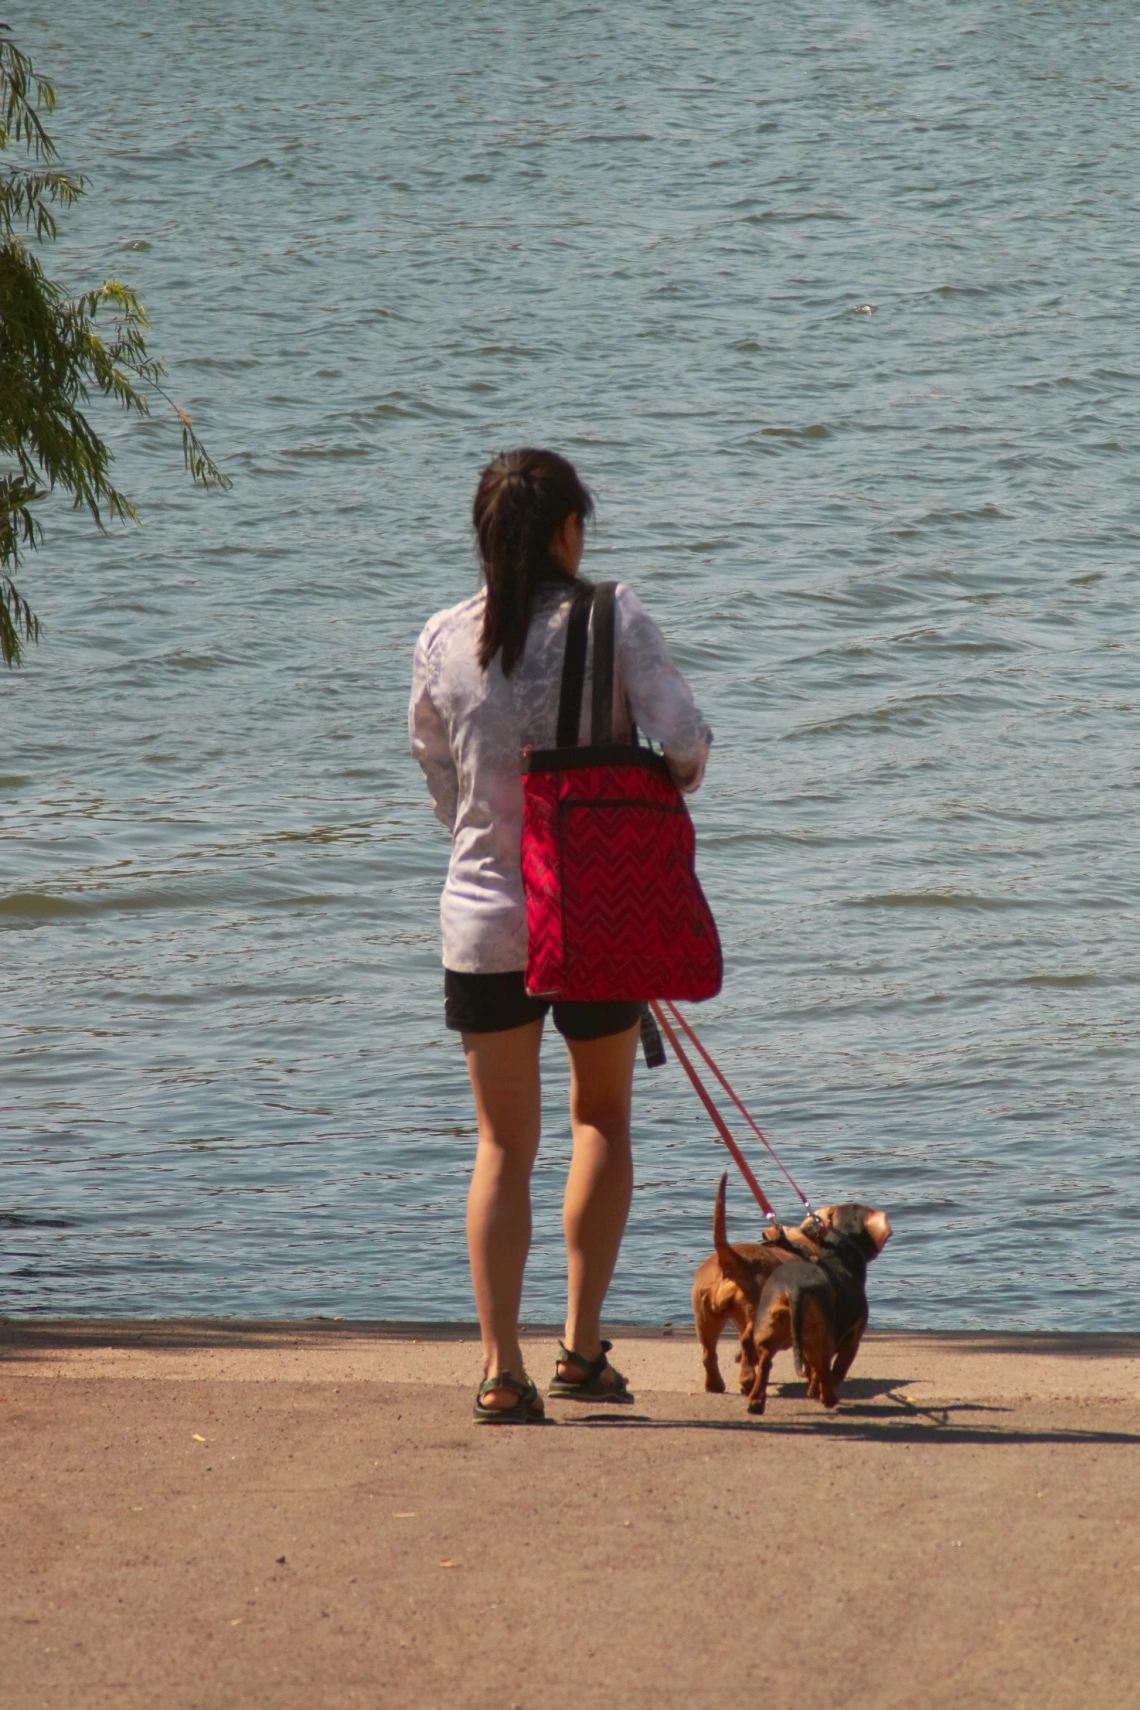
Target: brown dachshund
(729, 1284)
(818, 1308)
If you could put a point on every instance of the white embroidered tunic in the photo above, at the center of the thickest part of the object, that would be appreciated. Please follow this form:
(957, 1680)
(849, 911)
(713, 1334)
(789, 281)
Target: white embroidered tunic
(468, 728)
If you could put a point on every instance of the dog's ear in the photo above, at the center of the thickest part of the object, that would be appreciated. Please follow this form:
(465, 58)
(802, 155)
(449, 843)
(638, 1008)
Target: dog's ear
(878, 1228)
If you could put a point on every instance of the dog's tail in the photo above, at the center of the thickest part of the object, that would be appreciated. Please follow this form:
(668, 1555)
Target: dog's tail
(797, 1304)
(730, 1261)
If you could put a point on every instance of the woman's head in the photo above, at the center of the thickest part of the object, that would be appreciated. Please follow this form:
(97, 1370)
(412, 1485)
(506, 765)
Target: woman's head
(521, 506)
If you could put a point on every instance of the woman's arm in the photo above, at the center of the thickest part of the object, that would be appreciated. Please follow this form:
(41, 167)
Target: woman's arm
(659, 697)
(430, 743)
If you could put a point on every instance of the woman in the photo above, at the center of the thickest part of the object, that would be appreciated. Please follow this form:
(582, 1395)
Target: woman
(485, 686)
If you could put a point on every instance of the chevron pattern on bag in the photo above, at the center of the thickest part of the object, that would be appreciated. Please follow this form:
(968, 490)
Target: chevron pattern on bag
(614, 907)
(542, 882)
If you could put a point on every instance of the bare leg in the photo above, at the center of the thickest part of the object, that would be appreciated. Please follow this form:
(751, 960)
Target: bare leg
(600, 1183)
(505, 1080)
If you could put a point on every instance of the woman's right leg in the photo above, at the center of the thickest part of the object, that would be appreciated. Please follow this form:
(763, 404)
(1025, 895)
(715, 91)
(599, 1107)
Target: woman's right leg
(505, 1081)
(599, 1184)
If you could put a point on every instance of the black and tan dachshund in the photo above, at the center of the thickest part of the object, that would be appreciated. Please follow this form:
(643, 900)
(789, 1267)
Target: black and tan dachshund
(817, 1307)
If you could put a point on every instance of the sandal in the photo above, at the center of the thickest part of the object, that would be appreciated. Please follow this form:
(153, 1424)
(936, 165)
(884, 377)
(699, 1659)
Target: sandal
(527, 1410)
(592, 1386)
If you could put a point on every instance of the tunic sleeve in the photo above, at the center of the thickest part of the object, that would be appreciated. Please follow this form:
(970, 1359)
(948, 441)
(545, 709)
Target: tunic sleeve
(429, 740)
(660, 699)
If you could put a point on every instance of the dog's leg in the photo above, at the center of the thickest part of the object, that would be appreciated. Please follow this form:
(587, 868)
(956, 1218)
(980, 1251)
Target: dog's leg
(714, 1383)
(846, 1352)
(749, 1360)
(742, 1318)
(709, 1324)
(765, 1340)
(758, 1397)
(818, 1349)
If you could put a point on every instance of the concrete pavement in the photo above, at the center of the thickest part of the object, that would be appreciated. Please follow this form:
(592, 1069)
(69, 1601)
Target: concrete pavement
(199, 1515)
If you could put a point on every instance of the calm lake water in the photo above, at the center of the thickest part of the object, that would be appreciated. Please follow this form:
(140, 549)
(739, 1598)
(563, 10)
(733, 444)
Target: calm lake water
(836, 310)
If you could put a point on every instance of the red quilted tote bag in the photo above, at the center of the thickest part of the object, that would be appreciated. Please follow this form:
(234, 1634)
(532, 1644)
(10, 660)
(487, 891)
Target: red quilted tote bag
(614, 908)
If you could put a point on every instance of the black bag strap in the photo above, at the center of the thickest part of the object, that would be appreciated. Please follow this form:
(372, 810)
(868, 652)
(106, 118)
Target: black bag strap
(602, 601)
(602, 705)
(574, 668)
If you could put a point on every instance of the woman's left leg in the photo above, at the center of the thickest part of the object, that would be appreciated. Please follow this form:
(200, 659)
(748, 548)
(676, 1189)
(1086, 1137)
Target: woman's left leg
(505, 1080)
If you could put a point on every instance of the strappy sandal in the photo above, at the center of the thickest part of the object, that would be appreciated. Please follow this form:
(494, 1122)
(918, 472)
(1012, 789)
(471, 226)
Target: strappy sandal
(527, 1410)
(593, 1386)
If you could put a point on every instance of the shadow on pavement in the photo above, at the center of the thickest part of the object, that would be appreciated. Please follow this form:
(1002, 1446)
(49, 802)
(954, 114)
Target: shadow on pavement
(900, 1423)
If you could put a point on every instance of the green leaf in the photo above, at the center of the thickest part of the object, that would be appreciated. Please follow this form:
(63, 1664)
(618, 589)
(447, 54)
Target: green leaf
(55, 360)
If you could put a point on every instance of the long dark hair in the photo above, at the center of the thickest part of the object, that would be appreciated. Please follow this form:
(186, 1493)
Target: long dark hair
(522, 501)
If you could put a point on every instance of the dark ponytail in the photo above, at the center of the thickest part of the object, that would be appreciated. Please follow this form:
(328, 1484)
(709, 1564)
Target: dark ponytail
(523, 499)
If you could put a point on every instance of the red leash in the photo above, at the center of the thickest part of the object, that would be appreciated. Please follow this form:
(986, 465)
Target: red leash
(719, 1123)
(739, 1103)
(718, 1120)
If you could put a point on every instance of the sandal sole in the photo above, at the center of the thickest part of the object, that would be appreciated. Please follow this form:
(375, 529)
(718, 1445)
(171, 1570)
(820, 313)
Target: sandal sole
(583, 1392)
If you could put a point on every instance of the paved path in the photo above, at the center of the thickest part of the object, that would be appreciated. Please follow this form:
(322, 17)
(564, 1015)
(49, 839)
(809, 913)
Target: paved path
(198, 1516)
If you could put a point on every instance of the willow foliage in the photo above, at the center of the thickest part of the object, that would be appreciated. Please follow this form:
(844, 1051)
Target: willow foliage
(54, 358)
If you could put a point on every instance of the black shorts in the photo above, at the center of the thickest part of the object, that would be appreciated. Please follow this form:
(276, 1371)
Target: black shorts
(492, 1003)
